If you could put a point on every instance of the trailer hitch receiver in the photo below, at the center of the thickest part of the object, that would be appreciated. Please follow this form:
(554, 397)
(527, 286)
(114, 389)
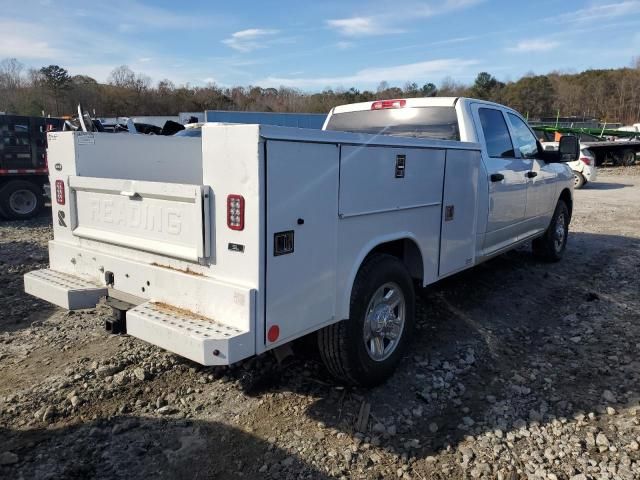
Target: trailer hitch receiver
(117, 324)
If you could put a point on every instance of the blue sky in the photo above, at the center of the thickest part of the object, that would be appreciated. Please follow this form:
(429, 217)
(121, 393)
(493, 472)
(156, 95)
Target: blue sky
(314, 45)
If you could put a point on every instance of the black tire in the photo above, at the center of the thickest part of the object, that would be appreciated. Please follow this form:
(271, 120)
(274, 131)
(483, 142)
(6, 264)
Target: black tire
(578, 180)
(342, 345)
(552, 244)
(20, 200)
(628, 158)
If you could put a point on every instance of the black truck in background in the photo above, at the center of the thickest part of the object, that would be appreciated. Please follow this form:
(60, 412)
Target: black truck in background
(24, 176)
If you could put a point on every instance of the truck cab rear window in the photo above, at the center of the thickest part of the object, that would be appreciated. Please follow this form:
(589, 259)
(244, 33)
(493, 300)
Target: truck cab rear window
(439, 123)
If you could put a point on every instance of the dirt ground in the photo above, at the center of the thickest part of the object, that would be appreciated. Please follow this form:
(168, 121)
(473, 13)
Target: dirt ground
(518, 369)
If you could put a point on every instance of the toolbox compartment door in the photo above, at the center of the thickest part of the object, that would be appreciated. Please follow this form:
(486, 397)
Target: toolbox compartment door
(165, 218)
(459, 211)
(302, 215)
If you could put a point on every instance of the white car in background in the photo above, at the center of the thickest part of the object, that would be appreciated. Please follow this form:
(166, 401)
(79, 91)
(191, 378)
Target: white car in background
(584, 169)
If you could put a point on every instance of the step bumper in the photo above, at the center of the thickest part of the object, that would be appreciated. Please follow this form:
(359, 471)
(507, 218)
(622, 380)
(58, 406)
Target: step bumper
(64, 290)
(197, 338)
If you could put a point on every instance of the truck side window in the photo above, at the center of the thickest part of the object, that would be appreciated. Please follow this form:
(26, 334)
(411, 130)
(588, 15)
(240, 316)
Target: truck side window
(496, 133)
(524, 139)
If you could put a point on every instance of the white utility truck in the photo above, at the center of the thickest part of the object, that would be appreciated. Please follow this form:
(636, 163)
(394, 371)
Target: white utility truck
(225, 246)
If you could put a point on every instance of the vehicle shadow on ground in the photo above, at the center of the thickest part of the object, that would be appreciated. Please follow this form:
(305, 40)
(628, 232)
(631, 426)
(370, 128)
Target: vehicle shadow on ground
(546, 340)
(132, 447)
(605, 186)
(507, 310)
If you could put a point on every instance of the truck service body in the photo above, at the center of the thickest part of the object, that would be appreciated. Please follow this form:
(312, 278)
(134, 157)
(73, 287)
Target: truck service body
(238, 242)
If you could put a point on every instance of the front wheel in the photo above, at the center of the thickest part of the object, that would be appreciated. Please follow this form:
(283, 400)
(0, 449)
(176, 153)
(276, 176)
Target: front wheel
(365, 349)
(552, 244)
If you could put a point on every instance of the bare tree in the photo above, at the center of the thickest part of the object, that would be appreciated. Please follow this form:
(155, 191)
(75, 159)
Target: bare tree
(122, 77)
(11, 74)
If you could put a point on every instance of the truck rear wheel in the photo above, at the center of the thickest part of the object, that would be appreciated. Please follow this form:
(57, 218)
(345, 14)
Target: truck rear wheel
(628, 158)
(552, 244)
(20, 199)
(365, 349)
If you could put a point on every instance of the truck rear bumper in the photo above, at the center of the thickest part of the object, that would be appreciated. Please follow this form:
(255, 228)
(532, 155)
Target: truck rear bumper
(64, 290)
(198, 338)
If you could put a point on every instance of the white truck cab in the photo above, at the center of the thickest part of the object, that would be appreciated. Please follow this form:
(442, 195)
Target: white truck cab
(225, 246)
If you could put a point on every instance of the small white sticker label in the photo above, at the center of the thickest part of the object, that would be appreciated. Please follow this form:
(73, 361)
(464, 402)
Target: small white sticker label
(238, 298)
(86, 138)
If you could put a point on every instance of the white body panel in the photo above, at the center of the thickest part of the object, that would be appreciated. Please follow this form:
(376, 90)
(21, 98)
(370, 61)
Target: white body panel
(149, 215)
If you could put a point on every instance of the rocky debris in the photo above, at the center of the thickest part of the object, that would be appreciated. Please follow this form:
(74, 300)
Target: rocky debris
(499, 383)
(141, 374)
(609, 396)
(8, 458)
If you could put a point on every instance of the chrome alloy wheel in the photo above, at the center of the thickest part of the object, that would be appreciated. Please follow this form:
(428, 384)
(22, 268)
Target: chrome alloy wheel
(384, 321)
(559, 233)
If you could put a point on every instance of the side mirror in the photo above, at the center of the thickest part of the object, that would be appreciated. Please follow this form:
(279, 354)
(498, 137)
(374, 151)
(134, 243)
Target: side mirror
(569, 148)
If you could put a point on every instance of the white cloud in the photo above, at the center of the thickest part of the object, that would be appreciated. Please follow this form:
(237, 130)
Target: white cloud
(454, 40)
(600, 12)
(24, 40)
(360, 26)
(533, 45)
(248, 40)
(372, 76)
(390, 21)
(432, 9)
(131, 15)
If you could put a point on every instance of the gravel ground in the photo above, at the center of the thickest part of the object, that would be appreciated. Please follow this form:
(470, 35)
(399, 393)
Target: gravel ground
(518, 370)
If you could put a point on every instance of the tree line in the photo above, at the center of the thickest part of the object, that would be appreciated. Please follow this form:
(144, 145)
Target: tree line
(609, 95)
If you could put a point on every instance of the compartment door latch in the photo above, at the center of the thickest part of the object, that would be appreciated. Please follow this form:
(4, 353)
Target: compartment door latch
(401, 161)
(449, 211)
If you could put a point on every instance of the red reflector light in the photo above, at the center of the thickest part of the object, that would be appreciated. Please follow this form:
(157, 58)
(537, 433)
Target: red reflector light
(235, 212)
(60, 192)
(382, 104)
(273, 333)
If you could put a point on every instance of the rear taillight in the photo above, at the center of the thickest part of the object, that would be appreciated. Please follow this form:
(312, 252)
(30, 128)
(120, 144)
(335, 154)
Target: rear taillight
(235, 212)
(60, 198)
(586, 160)
(382, 104)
